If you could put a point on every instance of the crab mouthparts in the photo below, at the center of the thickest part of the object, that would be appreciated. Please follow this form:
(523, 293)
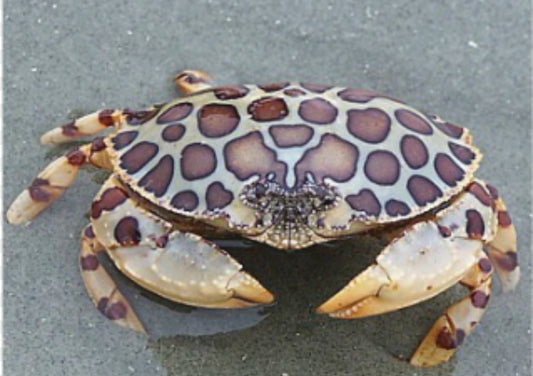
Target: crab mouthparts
(288, 215)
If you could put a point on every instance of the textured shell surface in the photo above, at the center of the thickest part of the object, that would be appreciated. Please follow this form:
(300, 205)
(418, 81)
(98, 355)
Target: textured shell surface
(328, 156)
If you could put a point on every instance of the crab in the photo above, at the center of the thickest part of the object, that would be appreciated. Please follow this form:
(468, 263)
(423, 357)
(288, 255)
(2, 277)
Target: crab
(290, 165)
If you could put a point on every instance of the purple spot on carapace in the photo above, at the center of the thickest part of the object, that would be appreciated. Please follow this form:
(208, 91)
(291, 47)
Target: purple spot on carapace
(315, 88)
(449, 129)
(365, 201)
(217, 120)
(230, 92)
(382, 167)
(317, 111)
(294, 92)
(274, 86)
(197, 161)
(358, 96)
(173, 132)
(159, 177)
(479, 192)
(413, 122)
(217, 196)
(286, 136)
(268, 109)
(248, 155)
(448, 170)
(177, 112)
(414, 151)
(138, 156)
(123, 139)
(140, 117)
(423, 190)
(463, 153)
(395, 208)
(185, 200)
(370, 125)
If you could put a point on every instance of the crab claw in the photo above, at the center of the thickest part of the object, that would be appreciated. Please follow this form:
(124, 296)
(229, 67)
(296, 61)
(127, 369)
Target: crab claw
(413, 268)
(180, 266)
(247, 291)
(360, 292)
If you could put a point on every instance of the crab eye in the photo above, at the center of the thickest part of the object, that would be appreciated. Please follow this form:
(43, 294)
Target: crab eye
(260, 190)
(271, 176)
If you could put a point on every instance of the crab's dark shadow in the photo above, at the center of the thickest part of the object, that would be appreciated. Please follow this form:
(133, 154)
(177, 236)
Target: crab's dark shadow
(288, 336)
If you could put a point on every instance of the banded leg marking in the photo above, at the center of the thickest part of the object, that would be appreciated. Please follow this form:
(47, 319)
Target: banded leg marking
(100, 286)
(85, 126)
(502, 248)
(449, 331)
(54, 180)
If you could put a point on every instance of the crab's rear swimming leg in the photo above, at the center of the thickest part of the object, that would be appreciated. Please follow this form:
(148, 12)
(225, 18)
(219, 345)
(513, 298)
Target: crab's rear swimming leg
(176, 265)
(431, 256)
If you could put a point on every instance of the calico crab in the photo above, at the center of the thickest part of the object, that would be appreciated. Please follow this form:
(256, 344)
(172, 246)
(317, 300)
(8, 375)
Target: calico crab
(289, 165)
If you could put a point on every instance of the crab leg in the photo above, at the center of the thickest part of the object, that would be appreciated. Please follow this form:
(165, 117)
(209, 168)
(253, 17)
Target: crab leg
(84, 126)
(502, 248)
(179, 266)
(428, 258)
(449, 331)
(101, 287)
(54, 179)
(191, 81)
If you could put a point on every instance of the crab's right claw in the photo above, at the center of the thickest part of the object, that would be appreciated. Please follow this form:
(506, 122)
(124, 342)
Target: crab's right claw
(411, 269)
